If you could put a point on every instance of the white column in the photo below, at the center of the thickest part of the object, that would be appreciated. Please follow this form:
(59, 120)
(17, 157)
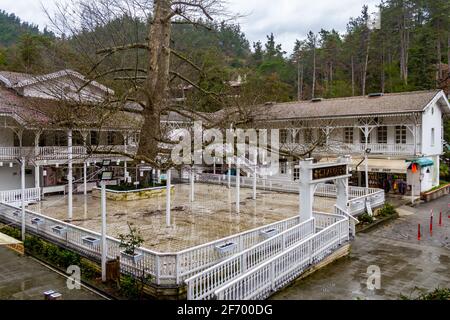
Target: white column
(85, 178)
(192, 184)
(168, 187)
(238, 187)
(158, 172)
(254, 183)
(37, 176)
(104, 244)
(69, 175)
(214, 166)
(306, 196)
(125, 165)
(22, 183)
(366, 158)
(342, 187)
(229, 175)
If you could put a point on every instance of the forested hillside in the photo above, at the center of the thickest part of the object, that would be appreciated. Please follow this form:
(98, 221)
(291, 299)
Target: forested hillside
(409, 52)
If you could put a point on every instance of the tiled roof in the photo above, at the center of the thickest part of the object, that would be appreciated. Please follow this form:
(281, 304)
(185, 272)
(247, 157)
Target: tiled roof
(354, 106)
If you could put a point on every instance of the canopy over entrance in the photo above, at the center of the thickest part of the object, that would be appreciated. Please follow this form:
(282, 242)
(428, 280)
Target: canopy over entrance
(422, 162)
(377, 165)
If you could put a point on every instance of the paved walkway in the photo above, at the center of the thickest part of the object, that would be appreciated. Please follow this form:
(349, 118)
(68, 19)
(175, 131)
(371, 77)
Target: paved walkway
(23, 278)
(210, 217)
(405, 262)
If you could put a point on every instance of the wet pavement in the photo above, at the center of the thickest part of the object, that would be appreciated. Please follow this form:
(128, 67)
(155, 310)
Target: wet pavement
(407, 265)
(23, 278)
(212, 216)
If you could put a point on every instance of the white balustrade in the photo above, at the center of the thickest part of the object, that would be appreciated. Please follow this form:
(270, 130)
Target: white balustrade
(202, 285)
(262, 281)
(15, 196)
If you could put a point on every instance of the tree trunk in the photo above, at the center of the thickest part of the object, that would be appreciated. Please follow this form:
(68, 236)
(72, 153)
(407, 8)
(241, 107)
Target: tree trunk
(366, 65)
(353, 77)
(156, 86)
(314, 71)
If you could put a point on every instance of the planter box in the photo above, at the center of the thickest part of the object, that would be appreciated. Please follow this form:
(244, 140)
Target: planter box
(435, 194)
(269, 233)
(134, 258)
(225, 248)
(59, 230)
(90, 241)
(132, 195)
(37, 221)
(17, 213)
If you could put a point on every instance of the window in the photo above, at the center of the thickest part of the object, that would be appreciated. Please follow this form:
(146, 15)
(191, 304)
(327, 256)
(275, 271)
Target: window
(308, 136)
(94, 138)
(283, 166)
(363, 137)
(400, 134)
(348, 135)
(382, 135)
(283, 136)
(296, 136)
(433, 140)
(110, 138)
(296, 173)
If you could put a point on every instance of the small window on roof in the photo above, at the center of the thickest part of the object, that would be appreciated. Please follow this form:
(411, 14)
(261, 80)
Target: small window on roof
(432, 110)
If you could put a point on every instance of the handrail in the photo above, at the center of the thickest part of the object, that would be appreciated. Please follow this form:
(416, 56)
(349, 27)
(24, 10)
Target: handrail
(295, 268)
(239, 263)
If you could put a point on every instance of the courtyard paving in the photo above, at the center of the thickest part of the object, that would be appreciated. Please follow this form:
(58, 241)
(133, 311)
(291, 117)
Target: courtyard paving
(212, 216)
(23, 278)
(407, 265)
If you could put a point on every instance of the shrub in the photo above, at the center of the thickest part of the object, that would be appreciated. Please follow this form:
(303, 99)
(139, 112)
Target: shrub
(10, 231)
(131, 241)
(365, 218)
(387, 210)
(129, 287)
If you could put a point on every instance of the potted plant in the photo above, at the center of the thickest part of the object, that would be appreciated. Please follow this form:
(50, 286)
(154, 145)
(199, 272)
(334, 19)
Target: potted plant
(130, 242)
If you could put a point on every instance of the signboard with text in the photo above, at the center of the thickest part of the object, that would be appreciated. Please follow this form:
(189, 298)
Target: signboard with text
(329, 172)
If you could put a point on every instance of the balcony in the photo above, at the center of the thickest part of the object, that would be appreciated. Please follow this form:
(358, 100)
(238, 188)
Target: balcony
(58, 152)
(338, 148)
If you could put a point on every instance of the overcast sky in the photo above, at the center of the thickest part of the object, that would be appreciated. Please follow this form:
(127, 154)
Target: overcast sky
(287, 19)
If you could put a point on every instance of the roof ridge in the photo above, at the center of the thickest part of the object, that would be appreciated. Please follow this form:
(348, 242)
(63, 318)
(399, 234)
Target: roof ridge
(358, 97)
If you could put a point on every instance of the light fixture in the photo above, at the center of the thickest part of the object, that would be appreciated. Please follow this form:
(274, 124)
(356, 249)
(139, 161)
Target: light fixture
(118, 162)
(44, 173)
(141, 173)
(1, 164)
(57, 165)
(142, 161)
(10, 164)
(88, 164)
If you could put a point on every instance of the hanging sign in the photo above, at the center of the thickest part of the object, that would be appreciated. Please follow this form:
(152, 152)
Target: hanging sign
(329, 172)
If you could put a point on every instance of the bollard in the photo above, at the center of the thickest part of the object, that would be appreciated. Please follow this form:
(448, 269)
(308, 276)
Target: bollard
(418, 232)
(431, 225)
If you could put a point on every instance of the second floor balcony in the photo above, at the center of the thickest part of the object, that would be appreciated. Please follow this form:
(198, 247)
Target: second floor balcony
(62, 152)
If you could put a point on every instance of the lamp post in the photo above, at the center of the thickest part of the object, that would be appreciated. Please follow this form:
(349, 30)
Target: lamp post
(22, 183)
(366, 160)
(106, 176)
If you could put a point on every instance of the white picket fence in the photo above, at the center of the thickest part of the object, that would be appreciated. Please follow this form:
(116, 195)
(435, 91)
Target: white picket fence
(15, 196)
(265, 279)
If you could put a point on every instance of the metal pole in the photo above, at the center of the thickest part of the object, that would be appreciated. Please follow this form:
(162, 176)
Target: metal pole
(192, 185)
(367, 173)
(168, 198)
(238, 186)
(254, 183)
(85, 177)
(104, 245)
(229, 175)
(22, 179)
(70, 175)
